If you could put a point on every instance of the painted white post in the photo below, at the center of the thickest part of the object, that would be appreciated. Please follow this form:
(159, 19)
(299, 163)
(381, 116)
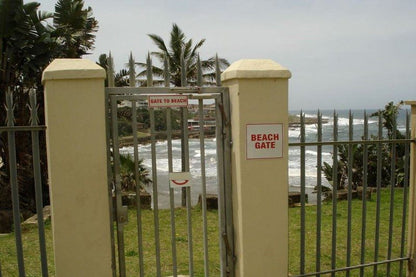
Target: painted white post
(76, 145)
(259, 105)
(412, 195)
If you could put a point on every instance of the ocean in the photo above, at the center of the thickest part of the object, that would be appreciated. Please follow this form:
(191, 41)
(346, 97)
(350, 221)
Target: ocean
(294, 155)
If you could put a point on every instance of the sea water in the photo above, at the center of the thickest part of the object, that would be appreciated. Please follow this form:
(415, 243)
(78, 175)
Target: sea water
(311, 173)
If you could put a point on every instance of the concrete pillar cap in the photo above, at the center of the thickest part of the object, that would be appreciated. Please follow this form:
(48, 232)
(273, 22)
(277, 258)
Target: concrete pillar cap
(65, 69)
(255, 69)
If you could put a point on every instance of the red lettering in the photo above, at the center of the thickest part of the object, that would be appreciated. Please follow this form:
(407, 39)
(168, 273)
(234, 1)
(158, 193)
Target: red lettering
(265, 145)
(264, 137)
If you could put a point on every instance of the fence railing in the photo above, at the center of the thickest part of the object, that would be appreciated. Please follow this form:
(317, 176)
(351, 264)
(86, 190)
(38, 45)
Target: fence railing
(354, 236)
(11, 168)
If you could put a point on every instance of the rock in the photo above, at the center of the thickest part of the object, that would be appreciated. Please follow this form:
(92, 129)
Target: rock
(34, 219)
(6, 221)
(212, 201)
(294, 198)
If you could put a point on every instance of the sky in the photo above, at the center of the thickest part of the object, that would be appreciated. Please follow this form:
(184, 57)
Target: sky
(343, 54)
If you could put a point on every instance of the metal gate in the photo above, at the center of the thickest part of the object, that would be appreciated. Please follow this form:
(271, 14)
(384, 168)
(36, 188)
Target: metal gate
(164, 131)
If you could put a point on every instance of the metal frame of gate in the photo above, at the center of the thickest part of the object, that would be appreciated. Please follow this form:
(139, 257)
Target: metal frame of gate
(220, 96)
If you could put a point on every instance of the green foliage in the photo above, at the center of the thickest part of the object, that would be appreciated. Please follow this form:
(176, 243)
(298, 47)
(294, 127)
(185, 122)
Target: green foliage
(28, 43)
(389, 117)
(128, 181)
(180, 47)
(75, 27)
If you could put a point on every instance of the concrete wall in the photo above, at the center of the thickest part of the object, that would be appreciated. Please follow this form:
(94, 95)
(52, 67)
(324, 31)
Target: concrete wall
(77, 161)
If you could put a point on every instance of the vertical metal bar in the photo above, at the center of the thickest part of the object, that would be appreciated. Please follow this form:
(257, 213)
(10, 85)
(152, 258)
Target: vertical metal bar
(379, 165)
(364, 194)
(110, 178)
(188, 200)
(350, 166)
(221, 191)
(119, 204)
(217, 71)
(405, 192)
(226, 141)
(138, 188)
(170, 165)
(185, 166)
(132, 71)
(302, 195)
(13, 182)
(392, 185)
(203, 174)
(319, 196)
(334, 196)
(183, 69)
(184, 125)
(171, 193)
(155, 190)
(149, 71)
(110, 71)
(38, 181)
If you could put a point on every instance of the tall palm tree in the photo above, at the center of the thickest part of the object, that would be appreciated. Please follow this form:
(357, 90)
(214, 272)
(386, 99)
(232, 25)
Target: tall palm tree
(181, 48)
(75, 27)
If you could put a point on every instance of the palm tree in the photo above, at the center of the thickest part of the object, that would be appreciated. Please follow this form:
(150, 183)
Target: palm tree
(181, 48)
(26, 48)
(75, 27)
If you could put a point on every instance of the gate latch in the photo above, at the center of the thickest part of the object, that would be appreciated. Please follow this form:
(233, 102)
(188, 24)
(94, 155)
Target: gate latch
(121, 215)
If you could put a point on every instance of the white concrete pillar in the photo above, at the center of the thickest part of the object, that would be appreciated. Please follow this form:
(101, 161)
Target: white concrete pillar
(76, 145)
(259, 107)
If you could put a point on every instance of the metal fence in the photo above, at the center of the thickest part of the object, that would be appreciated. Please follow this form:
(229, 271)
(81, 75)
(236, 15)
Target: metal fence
(202, 258)
(351, 237)
(32, 130)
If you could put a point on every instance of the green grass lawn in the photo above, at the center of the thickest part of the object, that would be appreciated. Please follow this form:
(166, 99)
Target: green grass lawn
(32, 260)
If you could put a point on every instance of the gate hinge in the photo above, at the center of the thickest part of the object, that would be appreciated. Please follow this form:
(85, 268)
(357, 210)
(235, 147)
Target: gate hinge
(411, 265)
(224, 115)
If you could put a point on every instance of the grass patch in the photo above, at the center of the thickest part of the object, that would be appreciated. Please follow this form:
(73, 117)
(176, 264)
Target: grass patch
(32, 260)
(341, 233)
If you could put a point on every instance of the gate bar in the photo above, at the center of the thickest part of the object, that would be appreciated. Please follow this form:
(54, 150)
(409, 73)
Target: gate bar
(221, 202)
(334, 196)
(405, 192)
(302, 194)
(155, 191)
(392, 185)
(319, 195)
(119, 204)
(364, 194)
(203, 175)
(377, 233)
(349, 216)
(38, 183)
(110, 179)
(171, 193)
(13, 182)
(138, 189)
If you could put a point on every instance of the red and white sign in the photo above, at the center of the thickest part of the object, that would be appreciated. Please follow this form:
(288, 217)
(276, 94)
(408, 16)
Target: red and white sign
(180, 179)
(167, 101)
(264, 141)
